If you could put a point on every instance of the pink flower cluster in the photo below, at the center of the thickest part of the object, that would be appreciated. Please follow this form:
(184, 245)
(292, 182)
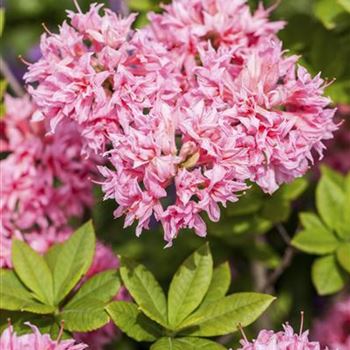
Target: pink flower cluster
(9, 340)
(334, 329)
(284, 340)
(44, 179)
(104, 259)
(186, 110)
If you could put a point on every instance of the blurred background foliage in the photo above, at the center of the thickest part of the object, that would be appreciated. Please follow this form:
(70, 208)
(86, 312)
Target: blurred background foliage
(254, 233)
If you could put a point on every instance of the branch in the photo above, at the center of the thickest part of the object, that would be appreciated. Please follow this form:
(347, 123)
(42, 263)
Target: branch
(10, 78)
(286, 261)
(275, 275)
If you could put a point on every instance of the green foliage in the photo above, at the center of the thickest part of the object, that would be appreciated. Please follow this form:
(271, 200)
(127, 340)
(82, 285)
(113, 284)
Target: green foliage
(33, 271)
(186, 344)
(145, 289)
(257, 212)
(2, 20)
(328, 233)
(327, 275)
(197, 305)
(72, 260)
(220, 317)
(133, 322)
(189, 285)
(40, 285)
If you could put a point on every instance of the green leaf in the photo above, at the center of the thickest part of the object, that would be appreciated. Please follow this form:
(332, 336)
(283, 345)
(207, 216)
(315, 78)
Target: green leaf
(250, 203)
(315, 238)
(103, 286)
(85, 315)
(344, 225)
(326, 275)
(329, 201)
(141, 5)
(315, 242)
(51, 256)
(133, 322)
(145, 289)
(33, 271)
(3, 87)
(2, 20)
(15, 296)
(223, 316)
(219, 285)
(18, 319)
(327, 12)
(73, 260)
(276, 209)
(294, 189)
(343, 256)
(345, 4)
(189, 285)
(188, 343)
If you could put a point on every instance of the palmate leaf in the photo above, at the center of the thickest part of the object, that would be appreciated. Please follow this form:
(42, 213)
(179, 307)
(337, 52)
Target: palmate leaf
(103, 286)
(219, 284)
(145, 289)
(16, 297)
(186, 343)
(33, 271)
(327, 276)
(84, 315)
(133, 322)
(189, 285)
(71, 260)
(223, 316)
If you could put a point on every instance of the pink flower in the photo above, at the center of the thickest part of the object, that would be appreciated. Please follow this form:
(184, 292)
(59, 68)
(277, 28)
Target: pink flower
(187, 26)
(185, 111)
(334, 329)
(44, 179)
(284, 340)
(35, 341)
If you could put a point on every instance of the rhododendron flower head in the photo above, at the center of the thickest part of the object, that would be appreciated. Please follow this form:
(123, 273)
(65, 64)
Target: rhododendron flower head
(334, 329)
(45, 180)
(35, 341)
(283, 340)
(187, 110)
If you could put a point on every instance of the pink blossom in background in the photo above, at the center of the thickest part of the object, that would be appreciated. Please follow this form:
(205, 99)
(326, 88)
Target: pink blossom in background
(45, 180)
(9, 340)
(283, 340)
(197, 103)
(104, 259)
(334, 329)
(338, 149)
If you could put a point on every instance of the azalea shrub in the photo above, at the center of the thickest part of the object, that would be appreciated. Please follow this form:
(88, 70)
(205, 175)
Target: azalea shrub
(175, 176)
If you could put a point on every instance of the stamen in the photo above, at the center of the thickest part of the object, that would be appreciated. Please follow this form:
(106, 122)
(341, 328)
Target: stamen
(20, 57)
(301, 323)
(60, 334)
(240, 328)
(46, 29)
(75, 2)
(10, 330)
